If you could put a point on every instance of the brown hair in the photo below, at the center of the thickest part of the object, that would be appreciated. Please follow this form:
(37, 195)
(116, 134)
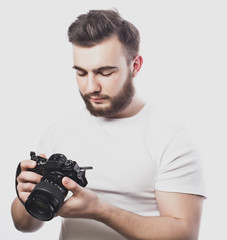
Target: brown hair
(98, 25)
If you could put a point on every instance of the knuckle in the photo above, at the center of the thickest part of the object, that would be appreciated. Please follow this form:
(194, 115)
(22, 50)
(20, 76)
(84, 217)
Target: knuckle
(23, 196)
(19, 187)
(27, 176)
(23, 164)
(18, 179)
(28, 187)
(26, 164)
(21, 177)
(24, 189)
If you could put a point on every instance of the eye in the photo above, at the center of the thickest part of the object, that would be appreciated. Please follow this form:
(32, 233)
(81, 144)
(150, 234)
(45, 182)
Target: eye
(106, 74)
(81, 74)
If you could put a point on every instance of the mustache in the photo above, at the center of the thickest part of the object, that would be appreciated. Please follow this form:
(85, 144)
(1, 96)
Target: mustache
(96, 95)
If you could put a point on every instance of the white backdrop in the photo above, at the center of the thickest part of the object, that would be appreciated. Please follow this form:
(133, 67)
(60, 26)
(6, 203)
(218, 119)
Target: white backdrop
(184, 75)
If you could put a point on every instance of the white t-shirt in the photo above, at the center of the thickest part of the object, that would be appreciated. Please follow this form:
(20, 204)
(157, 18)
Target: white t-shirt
(131, 157)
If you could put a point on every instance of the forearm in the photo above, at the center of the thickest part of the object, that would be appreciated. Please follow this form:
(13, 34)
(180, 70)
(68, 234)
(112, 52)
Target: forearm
(179, 216)
(134, 226)
(23, 221)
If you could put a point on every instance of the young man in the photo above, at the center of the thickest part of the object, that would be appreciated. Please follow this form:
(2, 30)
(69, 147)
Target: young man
(146, 181)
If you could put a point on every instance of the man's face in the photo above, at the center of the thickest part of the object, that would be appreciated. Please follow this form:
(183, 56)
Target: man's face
(104, 77)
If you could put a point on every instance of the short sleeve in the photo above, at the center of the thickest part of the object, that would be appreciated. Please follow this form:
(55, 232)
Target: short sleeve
(180, 166)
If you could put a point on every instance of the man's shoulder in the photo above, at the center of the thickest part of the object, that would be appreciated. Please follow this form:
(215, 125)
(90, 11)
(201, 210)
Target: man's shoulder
(162, 123)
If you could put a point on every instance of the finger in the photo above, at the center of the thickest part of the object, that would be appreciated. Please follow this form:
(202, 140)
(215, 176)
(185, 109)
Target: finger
(25, 187)
(42, 155)
(23, 196)
(27, 164)
(27, 176)
(24, 190)
(71, 185)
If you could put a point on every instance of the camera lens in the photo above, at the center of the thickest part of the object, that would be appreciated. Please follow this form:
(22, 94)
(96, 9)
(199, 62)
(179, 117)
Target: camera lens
(45, 200)
(40, 209)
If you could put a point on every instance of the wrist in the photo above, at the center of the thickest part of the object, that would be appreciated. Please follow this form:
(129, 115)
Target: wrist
(104, 211)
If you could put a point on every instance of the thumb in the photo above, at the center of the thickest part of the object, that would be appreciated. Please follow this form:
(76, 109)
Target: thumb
(42, 155)
(71, 185)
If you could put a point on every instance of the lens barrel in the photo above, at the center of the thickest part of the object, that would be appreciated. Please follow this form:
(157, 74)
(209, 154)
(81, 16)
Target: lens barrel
(45, 200)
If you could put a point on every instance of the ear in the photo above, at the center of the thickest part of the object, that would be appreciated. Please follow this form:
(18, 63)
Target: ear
(137, 64)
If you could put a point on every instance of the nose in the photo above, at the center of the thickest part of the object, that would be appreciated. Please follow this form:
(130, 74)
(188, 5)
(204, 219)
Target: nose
(93, 84)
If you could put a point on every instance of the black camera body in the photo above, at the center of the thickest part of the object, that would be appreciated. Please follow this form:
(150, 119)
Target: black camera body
(48, 195)
(58, 164)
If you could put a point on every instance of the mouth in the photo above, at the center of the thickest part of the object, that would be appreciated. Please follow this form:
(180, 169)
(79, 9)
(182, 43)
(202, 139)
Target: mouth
(98, 100)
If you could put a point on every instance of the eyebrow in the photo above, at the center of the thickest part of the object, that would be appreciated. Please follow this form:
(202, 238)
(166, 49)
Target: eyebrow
(95, 70)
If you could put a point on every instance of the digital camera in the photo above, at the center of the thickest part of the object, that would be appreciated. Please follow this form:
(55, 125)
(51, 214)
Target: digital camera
(49, 194)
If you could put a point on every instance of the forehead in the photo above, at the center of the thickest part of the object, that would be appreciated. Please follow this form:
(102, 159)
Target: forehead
(107, 53)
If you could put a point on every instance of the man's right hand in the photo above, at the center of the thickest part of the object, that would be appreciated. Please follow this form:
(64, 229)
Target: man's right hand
(27, 180)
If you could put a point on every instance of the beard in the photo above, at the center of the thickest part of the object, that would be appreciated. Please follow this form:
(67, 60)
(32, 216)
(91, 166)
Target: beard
(117, 103)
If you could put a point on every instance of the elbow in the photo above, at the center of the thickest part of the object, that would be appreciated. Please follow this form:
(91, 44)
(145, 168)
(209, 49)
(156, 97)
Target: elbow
(21, 228)
(190, 233)
(23, 222)
(26, 228)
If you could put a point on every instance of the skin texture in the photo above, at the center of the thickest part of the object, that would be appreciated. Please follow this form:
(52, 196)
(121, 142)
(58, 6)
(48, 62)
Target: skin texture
(110, 56)
(179, 214)
(26, 182)
(103, 69)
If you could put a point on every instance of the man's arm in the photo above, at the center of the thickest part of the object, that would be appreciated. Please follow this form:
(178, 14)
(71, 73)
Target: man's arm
(179, 214)
(179, 219)
(23, 221)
